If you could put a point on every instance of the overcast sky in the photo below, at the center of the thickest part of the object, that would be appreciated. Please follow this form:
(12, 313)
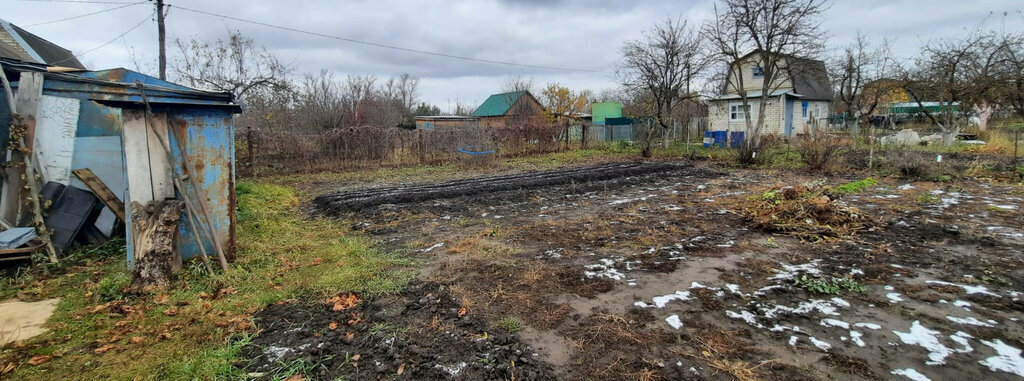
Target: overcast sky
(575, 34)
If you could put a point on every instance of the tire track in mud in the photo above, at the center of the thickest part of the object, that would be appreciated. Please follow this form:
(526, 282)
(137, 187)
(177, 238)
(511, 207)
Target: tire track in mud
(341, 202)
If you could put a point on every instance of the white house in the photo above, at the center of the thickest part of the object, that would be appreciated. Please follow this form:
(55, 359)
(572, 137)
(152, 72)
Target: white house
(801, 92)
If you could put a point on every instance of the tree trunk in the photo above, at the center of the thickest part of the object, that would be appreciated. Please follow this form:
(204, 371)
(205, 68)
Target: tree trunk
(155, 228)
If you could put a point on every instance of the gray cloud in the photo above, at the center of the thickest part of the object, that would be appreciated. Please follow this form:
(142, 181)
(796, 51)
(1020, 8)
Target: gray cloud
(582, 34)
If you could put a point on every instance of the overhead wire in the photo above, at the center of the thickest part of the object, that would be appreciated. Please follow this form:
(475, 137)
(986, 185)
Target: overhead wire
(79, 55)
(87, 14)
(385, 46)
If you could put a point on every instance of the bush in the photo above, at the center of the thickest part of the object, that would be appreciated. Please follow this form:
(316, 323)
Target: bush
(819, 150)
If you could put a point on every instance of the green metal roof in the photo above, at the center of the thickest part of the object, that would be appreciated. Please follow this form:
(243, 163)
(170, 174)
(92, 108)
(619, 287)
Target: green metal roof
(498, 104)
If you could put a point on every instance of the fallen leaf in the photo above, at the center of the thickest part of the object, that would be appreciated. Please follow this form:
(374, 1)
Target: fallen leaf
(356, 357)
(401, 369)
(104, 349)
(171, 311)
(39, 359)
(88, 294)
(136, 339)
(333, 325)
(349, 335)
(295, 377)
(165, 335)
(341, 263)
(462, 312)
(162, 299)
(7, 368)
(207, 305)
(317, 261)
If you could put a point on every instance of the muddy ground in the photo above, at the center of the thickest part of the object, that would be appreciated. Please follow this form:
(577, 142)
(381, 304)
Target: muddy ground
(663, 274)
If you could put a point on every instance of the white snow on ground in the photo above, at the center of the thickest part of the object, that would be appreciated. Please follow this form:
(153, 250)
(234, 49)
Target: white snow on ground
(856, 337)
(821, 344)
(747, 316)
(894, 297)
(911, 374)
(967, 288)
(834, 323)
(276, 353)
(453, 369)
(674, 321)
(790, 271)
(856, 271)
(792, 340)
(889, 288)
(868, 326)
(929, 340)
(661, 301)
(962, 304)
(604, 270)
(905, 187)
(823, 306)
(970, 320)
(429, 249)
(628, 200)
(1008, 358)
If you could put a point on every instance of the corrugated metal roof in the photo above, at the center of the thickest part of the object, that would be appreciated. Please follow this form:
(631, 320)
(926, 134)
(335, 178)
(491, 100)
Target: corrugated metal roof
(498, 104)
(120, 86)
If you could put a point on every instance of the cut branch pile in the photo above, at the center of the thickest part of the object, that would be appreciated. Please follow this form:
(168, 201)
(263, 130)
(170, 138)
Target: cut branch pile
(804, 211)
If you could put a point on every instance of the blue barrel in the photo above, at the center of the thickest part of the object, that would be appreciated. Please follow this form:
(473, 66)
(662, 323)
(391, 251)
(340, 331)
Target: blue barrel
(737, 140)
(707, 139)
(721, 138)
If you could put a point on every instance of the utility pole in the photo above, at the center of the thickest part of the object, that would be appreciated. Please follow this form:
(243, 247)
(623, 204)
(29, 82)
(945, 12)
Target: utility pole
(161, 36)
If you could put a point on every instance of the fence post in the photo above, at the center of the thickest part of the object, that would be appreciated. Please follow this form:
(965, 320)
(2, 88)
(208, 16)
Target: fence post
(252, 154)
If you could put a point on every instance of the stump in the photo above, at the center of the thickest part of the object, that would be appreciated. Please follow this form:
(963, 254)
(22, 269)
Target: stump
(154, 229)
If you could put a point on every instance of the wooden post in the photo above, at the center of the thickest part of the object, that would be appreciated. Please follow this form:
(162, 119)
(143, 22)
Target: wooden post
(252, 154)
(26, 102)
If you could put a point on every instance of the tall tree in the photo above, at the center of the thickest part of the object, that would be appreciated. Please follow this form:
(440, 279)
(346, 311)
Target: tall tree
(663, 66)
(772, 29)
(236, 65)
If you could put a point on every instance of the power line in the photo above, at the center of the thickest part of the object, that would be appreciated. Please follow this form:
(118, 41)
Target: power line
(87, 14)
(79, 55)
(385, 46)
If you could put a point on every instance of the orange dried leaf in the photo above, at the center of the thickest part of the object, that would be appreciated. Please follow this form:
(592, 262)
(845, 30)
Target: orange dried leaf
(333, 325)
(136, 339)
(295, 377)
(462, 312)
(104, 349)
(356, 357)
(171, 311)
(39, 359)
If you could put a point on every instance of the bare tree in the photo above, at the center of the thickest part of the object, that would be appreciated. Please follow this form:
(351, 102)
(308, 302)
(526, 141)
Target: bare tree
(320, 101)
(663, 67)
(518, 83)
(236, 65)
(860, 71)
(773, 30)
(959, 74)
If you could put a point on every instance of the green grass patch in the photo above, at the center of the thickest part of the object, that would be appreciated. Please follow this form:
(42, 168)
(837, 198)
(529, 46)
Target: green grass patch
(281, 254)
(509, 324)
(853, 187)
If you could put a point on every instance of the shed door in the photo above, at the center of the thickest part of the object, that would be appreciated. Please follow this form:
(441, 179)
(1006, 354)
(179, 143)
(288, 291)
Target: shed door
(146, 167)
(788, 114)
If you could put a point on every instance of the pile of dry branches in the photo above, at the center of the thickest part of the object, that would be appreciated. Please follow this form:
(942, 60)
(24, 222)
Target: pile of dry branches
(804, 211)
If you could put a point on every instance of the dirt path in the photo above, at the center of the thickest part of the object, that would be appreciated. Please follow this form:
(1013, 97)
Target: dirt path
(658, 274)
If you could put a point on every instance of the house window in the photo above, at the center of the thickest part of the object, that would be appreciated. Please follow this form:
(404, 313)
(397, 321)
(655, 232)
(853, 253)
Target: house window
(758, 72)
(737, 112)
(803, 109)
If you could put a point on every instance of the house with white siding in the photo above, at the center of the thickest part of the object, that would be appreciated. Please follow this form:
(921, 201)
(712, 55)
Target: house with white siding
(800, 94)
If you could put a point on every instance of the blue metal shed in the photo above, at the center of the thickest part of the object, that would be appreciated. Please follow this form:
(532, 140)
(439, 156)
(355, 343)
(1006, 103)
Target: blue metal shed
(97, 120)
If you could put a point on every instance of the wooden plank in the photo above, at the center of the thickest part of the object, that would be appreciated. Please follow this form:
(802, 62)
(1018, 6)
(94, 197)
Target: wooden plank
(102, 191)
(136, 158)
(160, 167)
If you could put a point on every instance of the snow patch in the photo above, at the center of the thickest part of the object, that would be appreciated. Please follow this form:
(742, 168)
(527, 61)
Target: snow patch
(967, 288)
(929, 340)
(911, 374)
(1008, 358)
(674, 321)
(661, 301)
